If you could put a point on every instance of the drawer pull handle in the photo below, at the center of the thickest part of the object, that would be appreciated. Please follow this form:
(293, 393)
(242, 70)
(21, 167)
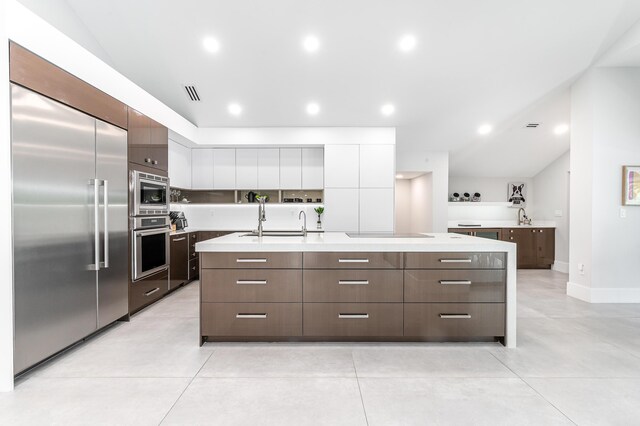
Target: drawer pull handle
(179, 239)
(249, 282)
(194, 268)
(353, 282)
(251, 316)
(353, 260)
(193, 254)
(251, 260)
(455, 282)
(455, 316)
(150, 292)
(455, 260)
(353, 316)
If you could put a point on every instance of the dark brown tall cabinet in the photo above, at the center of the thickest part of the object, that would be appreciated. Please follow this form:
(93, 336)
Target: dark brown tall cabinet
(185, 264)
(148, 141)
(536, 246)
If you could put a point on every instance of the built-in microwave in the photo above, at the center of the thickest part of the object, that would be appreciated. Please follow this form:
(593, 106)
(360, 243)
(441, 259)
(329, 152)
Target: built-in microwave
(150, 245)
(149, 194)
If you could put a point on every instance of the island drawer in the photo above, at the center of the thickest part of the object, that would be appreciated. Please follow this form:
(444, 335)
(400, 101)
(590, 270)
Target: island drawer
(353, 319)
(251, 285)
(352, 260)
(455, 260)
(451, 285)
(251, 319)
(454, 319)
(242, 260)
(353, 285)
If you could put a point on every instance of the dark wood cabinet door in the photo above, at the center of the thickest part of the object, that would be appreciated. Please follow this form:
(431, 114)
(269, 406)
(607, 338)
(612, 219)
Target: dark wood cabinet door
(138, 138)
(159, 134)
(159, 156)
(179, 259)
(525, 238)
(545, 247)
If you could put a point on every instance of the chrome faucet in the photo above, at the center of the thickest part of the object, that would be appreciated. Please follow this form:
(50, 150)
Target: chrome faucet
(304, 227)
(261, 214)
(523, 220)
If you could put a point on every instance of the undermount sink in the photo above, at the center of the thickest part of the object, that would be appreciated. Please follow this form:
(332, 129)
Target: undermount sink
(275, 234)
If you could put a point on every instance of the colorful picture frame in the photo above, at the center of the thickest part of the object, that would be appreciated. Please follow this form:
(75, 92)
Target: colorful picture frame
(631, 185)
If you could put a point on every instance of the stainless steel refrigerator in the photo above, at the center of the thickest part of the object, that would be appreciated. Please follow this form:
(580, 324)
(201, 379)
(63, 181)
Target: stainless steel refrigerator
(70, 194)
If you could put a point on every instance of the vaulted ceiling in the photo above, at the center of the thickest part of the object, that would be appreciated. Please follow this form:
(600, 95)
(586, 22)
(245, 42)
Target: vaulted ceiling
(502, 62)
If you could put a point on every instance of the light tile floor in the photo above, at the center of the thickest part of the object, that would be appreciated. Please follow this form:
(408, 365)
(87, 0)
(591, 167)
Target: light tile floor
(576, 363)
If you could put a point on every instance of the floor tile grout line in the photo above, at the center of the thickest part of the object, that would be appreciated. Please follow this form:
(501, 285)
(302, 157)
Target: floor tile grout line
(355, 370)
(532, 388)
(186, 387)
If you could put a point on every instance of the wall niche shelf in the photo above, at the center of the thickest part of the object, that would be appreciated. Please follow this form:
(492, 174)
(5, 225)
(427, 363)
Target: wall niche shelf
(480, 203)
(239, 196)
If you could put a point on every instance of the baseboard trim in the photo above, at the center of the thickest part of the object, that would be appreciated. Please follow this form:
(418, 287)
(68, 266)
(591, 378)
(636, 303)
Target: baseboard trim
(560, 266)
(603, 295)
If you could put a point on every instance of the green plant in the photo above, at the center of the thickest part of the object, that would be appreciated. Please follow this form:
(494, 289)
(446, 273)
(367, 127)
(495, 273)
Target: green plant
(319, 210)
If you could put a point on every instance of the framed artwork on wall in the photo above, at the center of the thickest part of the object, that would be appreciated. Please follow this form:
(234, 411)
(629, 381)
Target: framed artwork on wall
(631, 185)
(517, 194)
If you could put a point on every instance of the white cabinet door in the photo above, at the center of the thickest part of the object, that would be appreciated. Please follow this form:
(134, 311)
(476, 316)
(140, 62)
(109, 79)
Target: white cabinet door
(377, 166)
(376, 210)
(269, 168)
(290, 168)
(341, 166)
(312, 168)
(246, 168)
(224, 168)
(179, 165)
(202, 168)
(341, 210)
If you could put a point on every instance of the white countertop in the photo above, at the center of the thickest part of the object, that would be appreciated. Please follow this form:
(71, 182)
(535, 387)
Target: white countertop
(339, 241)
(499, 224)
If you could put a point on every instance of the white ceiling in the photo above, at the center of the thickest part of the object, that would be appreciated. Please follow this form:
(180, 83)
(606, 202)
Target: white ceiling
(475, 62)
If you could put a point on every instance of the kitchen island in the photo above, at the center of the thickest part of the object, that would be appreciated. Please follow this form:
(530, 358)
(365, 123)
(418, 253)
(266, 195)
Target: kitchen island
(332, 287)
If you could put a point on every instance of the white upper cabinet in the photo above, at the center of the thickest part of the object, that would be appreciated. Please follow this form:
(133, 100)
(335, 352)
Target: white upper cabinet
(179, 165)
(291, 168)
(341, 166)
(202, 168)
(376, 210)
(269, 168)
(224, 168)
(341, 210)
(312, 168)
(377, 166)
(246, 168)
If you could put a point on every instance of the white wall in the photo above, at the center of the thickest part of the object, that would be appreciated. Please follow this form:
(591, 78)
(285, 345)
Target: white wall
(604, 137)
(410, 159)
(552, 195)
(403, 206)
(6, 250)
(491, 189)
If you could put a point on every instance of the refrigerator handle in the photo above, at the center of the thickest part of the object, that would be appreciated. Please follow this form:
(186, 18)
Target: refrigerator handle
(95, 266)
(105, 184)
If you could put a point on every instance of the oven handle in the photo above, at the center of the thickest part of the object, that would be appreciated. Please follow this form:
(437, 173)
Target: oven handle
(140, 234)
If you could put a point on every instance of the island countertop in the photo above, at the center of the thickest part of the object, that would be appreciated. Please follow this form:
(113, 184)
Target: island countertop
(339, 241)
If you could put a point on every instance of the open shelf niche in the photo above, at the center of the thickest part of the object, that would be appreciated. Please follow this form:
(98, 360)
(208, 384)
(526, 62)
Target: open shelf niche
(239, 196)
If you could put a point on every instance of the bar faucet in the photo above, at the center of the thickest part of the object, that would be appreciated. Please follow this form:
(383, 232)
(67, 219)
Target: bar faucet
(262, 217)
(523, 220)
(304, 227)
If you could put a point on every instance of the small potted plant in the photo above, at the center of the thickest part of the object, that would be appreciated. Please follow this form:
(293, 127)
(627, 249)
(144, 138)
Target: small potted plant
(319, 210)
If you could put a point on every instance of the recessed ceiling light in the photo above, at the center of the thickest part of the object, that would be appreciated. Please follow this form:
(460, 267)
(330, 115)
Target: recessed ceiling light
(235, 109)
(387, 109)
(313, 108)
(211, 44)
(561, 129)
(311, 43)
(407, 43)
(399, 176)
(485, 129)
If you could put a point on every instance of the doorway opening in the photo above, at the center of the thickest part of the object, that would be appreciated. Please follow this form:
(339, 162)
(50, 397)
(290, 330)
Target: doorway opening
(414, 202)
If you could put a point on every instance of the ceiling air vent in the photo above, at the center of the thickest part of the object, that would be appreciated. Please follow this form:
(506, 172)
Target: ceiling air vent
(531, 125)
(192, 93)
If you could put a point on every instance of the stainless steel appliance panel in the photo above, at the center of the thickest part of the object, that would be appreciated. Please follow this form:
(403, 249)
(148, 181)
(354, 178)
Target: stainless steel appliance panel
(149, 194)
(53, 209)
(150, 251)
(111, 170)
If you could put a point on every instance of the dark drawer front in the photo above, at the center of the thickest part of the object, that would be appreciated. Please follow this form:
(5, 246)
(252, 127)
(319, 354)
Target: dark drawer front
(352, 260)
(455, 260)
(353, 319)
(428, 285)
(321, 285)
(194, 269)
(252, 285)
(252, 260)
(251, 319)
(454, 319)
(193, 239)
(148, 290)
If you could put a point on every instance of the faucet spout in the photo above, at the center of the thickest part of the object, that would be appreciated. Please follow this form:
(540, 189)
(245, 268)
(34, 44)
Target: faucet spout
(304, 226)
(262, 217)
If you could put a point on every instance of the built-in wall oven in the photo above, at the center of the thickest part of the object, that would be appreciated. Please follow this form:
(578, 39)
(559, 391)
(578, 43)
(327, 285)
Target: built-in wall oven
(150, 245)
(149, 194)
